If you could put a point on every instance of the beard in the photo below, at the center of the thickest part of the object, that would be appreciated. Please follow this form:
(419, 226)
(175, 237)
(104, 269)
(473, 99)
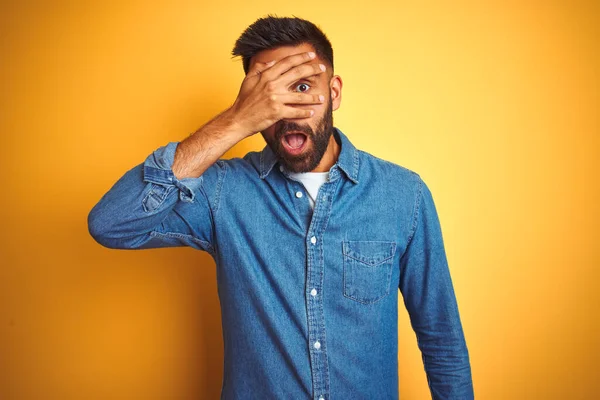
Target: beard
(310, 158)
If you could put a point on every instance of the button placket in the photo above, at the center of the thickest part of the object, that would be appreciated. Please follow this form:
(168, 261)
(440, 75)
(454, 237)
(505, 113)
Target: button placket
(314, 301)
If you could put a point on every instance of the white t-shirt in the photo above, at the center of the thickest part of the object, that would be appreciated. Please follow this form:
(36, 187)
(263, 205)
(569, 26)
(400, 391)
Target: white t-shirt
(312, 181)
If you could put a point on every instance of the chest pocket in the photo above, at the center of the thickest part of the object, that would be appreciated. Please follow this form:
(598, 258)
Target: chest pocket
(367, 269)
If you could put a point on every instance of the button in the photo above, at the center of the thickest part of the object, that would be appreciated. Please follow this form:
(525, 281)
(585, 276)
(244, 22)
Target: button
(313, 240)
(281, 168)
(313, 292)
(317, 345)
(298, 194)
(321, 398)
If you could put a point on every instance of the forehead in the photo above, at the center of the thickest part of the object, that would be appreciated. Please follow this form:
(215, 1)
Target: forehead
(278, 53)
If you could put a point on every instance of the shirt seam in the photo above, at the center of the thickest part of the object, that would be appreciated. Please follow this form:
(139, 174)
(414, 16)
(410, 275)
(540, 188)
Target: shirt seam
(213, 206)
(177, 235)
(417, 210)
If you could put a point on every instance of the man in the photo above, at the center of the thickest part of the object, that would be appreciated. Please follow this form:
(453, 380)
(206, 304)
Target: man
(310, 236)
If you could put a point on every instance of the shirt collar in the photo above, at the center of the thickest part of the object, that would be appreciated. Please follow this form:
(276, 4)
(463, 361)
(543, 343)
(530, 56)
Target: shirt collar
(347, 159)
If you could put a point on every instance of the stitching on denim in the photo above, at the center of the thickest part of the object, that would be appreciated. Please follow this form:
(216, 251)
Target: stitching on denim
(220, 179)
(210, 213)
(310, 267)
(391, 163)
(160, 199)
(155, 175)
(213, 214)
(260, 166)
(323, 348)
(320, 321)
(417, 207)
(185, 193)
(363, 300)
(355, 166)
(203, 244)
(330, 196)
(264, 169)
(387, 261)
(370, 241)
(368, 263)
(348, 251)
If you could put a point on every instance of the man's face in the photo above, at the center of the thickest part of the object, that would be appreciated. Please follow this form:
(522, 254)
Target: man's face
(317, 129)
(314, 147)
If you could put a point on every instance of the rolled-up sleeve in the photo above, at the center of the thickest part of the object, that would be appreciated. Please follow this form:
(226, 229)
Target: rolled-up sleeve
(430, 299)
(149, 207)
(157, 170)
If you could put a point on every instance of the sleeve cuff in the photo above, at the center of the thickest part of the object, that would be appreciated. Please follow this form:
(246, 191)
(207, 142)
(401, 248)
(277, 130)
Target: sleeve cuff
(158, 170)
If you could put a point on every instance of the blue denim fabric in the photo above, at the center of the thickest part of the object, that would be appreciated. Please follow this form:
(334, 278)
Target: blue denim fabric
(308, 300)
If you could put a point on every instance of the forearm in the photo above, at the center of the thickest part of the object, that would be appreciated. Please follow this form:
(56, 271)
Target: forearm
(204, 147)
(433, 308)
(446, 357)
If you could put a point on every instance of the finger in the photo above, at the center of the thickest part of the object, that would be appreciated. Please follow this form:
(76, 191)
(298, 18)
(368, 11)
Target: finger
(258, 68)
(295, 112)
(287, 63)
(299, 98)
(299, 72)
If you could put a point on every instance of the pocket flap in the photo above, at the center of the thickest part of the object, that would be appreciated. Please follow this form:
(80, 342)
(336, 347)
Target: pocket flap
(369, 252)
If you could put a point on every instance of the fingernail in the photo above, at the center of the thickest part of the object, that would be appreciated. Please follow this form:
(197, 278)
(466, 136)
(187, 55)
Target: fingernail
(270, 63)
(312, 112)
(311, 54)
(321, 97)
(322, 67)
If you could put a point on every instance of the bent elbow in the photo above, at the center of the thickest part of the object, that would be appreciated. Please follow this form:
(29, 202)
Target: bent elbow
(99, 229)
(103, 230)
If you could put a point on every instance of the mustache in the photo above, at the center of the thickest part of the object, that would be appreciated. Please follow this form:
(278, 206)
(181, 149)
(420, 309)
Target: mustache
(284, 127)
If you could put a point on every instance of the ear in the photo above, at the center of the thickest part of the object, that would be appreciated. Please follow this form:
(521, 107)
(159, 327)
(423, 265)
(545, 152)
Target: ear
(335, 84)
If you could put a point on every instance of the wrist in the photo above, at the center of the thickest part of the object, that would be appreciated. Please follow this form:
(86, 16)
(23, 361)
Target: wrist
(230, 122)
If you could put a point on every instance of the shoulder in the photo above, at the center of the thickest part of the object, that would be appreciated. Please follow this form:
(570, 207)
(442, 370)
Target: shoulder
(249, 160)
(236, 166)
(376, 168)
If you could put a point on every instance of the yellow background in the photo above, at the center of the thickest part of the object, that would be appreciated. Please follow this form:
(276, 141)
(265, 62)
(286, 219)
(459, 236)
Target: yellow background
(495, 104)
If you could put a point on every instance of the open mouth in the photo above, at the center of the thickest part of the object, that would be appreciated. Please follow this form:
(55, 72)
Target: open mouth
(294, 142)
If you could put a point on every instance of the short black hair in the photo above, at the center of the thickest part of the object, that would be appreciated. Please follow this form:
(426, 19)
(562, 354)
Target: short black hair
(271, 32)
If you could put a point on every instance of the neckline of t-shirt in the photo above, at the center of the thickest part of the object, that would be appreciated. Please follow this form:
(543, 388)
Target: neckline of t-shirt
(309, 173)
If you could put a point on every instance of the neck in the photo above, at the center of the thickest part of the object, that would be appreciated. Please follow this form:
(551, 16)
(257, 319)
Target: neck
(330, 157)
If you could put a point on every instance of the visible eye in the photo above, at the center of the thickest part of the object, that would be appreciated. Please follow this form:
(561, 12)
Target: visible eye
(302, 87)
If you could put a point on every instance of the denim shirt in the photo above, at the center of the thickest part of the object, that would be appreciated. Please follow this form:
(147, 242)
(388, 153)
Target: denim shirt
(308, 297)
